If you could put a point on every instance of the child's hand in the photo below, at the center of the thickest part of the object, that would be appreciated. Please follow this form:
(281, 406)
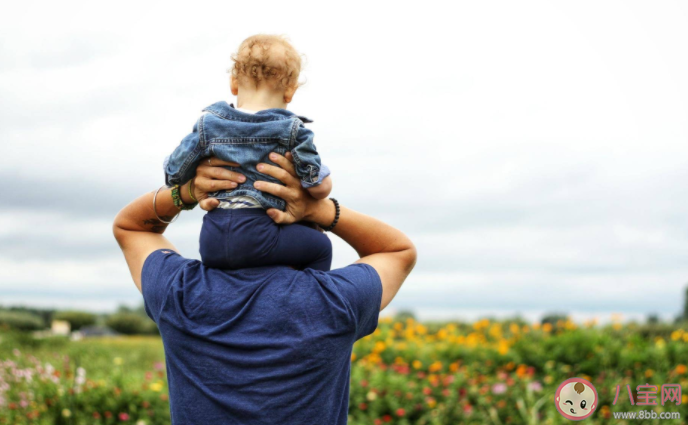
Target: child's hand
(322, 190)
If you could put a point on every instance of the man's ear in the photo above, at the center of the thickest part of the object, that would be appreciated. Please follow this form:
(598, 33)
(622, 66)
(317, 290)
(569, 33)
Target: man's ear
(289, 94)
(234, 85)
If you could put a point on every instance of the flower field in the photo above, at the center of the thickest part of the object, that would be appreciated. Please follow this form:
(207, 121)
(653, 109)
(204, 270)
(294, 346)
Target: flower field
(406, 373)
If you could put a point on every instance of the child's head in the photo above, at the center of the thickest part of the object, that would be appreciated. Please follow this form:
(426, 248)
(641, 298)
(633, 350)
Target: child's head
(266, 62)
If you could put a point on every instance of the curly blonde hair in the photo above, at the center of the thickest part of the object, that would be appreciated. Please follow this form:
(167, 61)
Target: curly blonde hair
(270, 59)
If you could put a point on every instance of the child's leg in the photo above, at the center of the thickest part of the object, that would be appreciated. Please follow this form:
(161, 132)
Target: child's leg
(213, 242)
(303, 247)
(233, 239)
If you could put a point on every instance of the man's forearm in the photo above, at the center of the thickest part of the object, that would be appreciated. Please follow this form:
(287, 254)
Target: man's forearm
(139, 215)
(365, 234)
(390, 252)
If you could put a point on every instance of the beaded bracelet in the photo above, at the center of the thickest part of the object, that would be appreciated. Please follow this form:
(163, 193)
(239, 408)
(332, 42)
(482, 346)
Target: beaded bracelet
(336, 216)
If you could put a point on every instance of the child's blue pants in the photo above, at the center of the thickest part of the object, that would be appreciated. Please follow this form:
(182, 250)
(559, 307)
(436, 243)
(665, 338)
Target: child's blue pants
(247, 237)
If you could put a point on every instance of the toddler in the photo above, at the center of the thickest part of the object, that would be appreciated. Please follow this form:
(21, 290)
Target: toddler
(239, 233)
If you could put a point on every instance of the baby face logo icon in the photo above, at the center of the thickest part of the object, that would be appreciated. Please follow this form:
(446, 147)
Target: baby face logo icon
(576, 399)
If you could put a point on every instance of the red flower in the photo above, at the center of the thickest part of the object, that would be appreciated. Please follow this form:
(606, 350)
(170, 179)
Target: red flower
(145, 404)
(363, 406)
(108, 414)
(378, 422)
(427, 391)
(364, 383)
(387, 418)
(96, 415)
(123, 417)
(401, 412)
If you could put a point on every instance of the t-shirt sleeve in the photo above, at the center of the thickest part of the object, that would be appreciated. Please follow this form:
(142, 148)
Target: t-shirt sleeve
(361, 287)
(158, 273)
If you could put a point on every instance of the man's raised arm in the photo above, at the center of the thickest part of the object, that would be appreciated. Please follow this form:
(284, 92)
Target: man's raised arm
(389, 251)
(138, 228)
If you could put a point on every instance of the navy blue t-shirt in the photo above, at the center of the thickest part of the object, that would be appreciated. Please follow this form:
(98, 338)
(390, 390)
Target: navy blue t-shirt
(267, 345)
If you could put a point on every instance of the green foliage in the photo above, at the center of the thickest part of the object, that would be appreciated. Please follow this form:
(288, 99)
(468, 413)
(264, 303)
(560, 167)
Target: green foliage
(22, 321)
(131, 324)
(553, 318)
(93, 381)
(45, 314)
(405, 373)
(402, 315)
(77, 319)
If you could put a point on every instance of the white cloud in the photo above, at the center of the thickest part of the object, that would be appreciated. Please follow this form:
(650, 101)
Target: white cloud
(532, 145)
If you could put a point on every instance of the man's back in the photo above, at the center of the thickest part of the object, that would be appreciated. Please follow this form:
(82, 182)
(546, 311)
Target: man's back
(260, 346)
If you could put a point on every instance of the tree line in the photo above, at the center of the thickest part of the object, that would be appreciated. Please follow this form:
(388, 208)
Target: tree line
(127, 321)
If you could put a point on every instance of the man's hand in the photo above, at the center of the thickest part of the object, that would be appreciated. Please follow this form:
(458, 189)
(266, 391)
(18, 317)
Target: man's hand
(211, 176)
(300, 203)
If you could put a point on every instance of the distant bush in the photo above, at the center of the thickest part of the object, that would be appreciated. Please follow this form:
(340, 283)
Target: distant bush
(21, 321)
(403, 315)
(77, 319)
(131, 324)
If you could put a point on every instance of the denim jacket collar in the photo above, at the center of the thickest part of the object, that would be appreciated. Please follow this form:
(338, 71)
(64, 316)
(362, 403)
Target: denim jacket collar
(228, 111)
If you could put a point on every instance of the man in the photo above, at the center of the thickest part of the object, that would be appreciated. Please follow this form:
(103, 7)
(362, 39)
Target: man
(267, 345)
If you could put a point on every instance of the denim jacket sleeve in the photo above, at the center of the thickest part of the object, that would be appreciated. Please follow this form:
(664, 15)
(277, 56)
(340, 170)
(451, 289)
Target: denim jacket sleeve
(180, 167)
(307, 160)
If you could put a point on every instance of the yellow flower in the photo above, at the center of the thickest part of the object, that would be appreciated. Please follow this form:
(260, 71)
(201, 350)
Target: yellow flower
(118, 361)
(417, 364)
(547, 327)
(659, 342)
(503, 347)
(435, 367)
(156, 386)
(677, 334)
(684, 399)
(649, 373)
(66, 413)
(617, 326)
(371, 396)
(431, 402)
(353, 357)
(681, 369)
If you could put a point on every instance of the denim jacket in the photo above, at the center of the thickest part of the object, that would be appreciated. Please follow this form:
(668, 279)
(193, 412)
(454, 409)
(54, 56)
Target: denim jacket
(232, 135)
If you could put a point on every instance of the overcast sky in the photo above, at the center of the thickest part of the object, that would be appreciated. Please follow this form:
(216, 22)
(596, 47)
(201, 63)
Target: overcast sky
(535, 152)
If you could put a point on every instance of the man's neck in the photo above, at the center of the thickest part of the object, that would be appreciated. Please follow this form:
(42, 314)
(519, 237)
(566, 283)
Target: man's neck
(257, 100)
